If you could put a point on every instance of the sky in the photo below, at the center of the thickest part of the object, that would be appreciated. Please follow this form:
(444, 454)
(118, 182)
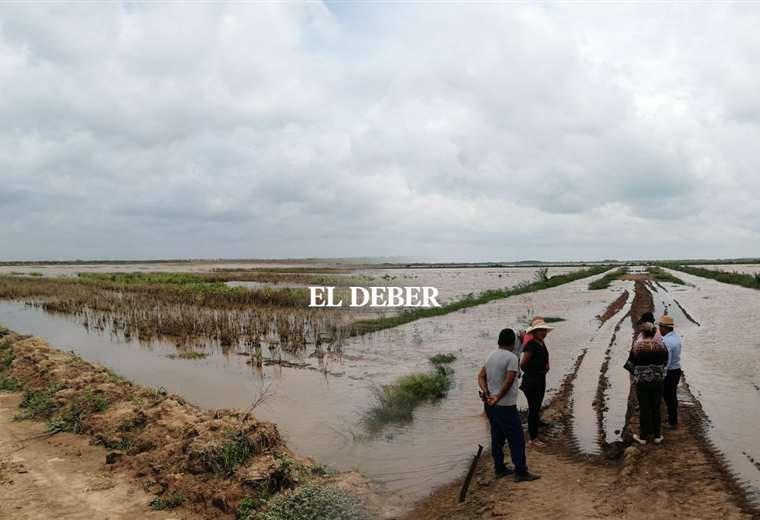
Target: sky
(441, 131)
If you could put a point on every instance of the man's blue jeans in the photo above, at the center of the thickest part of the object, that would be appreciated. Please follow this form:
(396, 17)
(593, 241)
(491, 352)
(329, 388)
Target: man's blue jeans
(506, 426)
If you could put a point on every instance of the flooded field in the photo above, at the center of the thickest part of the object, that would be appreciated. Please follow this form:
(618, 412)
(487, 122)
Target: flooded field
(317, 402)
(730, 268)
(721, 363)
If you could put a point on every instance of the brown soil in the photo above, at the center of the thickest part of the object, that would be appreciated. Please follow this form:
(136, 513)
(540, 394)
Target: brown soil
(614, 307)
(143, 445)
(63, 476)
(682, 478)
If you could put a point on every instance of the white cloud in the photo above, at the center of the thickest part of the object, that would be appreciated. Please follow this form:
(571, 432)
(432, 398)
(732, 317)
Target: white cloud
(301, 129)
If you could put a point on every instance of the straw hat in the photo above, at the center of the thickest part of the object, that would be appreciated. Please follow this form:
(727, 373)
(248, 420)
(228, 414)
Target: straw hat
(538, 323)
(667, 321)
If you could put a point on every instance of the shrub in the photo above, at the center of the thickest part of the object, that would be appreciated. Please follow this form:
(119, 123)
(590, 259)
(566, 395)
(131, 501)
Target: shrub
(312, 502)
(443, 359)
(10, 384)
(169, 501)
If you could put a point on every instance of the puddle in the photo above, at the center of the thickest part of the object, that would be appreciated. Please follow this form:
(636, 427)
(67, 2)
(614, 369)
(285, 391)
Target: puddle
(317, 409)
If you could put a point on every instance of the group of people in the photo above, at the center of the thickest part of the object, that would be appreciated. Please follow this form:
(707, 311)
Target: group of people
(655, 363)
(522, 362)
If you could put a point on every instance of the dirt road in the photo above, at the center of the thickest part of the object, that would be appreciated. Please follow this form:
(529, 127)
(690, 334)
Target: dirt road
(63, 476)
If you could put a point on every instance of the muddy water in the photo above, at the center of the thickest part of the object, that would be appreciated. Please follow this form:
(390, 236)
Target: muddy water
(585, 424)
(730, 268)
(619, 382)
(318, 408)
(721, 362)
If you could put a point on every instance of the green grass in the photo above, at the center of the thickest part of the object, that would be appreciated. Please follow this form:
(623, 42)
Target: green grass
(553, 319)
(71, 419)
(10, 384)
(605, 281)
(395, 403)
(663, 276)
(164, 503)
(443, 359)
(750, 281)
(144, 278)
(360, 327)
(39, 404)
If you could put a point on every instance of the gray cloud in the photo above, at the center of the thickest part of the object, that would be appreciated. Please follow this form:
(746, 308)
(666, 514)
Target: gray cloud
(451, 131)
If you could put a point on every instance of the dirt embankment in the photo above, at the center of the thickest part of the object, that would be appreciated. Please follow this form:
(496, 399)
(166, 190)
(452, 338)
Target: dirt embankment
(682, 478)
(112, 449)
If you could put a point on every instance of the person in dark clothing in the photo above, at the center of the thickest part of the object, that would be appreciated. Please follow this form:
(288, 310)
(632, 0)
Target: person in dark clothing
(535, 365)
(648, 357)
(499, 392)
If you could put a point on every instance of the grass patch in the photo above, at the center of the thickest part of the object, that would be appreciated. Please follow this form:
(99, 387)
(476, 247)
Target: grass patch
(311, 502)
(553, 319)
(73, 416)
(38, 404)
(663, 276)
(395, 403)
(443, 359)
(164, 503)
(10, 384)
(750, 281)
(360, 327)
(605, 281)
(188, 354)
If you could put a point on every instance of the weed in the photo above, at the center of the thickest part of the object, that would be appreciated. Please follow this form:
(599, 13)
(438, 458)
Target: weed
(443, 359)
(6, 359)
(396, 402)
(10, 384)
(39, 403)
(751, 281)
(188, 354)
(311, 501)
(78, 409)
(169, 501)
(249, 506)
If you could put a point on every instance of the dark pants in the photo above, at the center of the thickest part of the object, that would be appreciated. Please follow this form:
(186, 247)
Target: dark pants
(670, 394)
(649, 396)
(534, 390)
(506, 426)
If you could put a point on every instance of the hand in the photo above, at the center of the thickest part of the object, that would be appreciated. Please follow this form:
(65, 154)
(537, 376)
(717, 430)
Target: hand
(491, 400)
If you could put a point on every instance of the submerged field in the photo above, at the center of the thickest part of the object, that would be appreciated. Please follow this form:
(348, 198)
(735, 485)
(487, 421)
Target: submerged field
(220, 347)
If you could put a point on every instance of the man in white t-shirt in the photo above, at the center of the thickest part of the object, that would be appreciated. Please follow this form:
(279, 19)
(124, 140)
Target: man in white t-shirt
(498, 384)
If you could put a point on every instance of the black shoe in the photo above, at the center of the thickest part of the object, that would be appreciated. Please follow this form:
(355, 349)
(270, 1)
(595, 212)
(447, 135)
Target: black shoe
(503, 473)
(526, 477)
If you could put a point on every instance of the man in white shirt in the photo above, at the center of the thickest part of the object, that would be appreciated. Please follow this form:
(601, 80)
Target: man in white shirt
(498, 384)
(673, 370)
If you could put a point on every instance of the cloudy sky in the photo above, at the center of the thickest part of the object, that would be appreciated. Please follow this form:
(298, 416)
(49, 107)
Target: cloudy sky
(438, 130)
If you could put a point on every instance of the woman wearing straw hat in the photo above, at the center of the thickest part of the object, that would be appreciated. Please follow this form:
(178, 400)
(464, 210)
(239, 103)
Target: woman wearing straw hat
(649, 357)
(535, 364)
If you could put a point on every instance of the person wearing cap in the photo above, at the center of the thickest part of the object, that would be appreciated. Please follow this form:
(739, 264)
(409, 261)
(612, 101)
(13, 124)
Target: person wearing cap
(535, 365)
(673, 370)
(497, 382)
(648, 358)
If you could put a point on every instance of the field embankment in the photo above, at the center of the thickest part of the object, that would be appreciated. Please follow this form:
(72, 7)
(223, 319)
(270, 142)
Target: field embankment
(216, 464)
(360, 327)
(748, 280)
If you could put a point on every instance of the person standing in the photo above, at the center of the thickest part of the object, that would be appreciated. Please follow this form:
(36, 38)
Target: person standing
(673, 370)
(497, 382)
(535, 365)
(647, 317)
(649, 357)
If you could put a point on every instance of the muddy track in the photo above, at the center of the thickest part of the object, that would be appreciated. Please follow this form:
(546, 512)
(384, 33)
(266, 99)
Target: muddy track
(614, 307)
(614, 449)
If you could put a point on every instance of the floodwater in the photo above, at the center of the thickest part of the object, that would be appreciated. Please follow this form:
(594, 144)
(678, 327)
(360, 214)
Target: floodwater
(721, 363)
(585, 424)
(318, 408)
(730, 268)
